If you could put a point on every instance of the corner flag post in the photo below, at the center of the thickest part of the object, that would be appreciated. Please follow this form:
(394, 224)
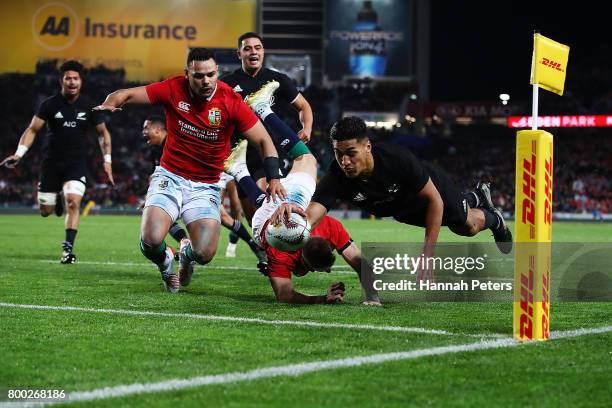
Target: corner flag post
(533, 200)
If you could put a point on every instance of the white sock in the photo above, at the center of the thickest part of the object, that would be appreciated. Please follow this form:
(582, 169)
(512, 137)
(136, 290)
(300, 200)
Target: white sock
(240, 172)
(263, 110)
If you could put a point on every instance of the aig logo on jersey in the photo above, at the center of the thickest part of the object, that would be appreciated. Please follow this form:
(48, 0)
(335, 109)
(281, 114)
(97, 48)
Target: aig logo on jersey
(55, 26)
(214, 117)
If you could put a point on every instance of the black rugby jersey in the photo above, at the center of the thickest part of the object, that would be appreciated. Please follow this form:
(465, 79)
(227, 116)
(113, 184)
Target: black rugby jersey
(67, 125)
(246, 84)
(392, 188)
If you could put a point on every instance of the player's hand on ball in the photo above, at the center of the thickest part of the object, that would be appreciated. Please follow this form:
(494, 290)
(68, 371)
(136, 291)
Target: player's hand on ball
(283, 212)
(275, 188)
(335, 293)
(11, 161)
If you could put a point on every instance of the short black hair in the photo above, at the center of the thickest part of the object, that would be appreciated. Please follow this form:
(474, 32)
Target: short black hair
(318, 253)
(350, 127)
(200, 54)
(71, 65)
(157, 120)
(250, 34)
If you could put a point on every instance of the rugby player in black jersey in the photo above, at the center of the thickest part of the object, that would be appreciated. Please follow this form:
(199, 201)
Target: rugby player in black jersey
(64, 167)
(254, 83)
(389, 181)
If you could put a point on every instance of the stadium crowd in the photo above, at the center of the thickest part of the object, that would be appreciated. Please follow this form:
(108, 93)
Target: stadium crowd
(583, 157)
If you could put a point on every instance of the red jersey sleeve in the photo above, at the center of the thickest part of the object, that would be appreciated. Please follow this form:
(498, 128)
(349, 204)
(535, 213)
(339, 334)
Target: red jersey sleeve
(337, 235)
(243, 115)
(158, 92)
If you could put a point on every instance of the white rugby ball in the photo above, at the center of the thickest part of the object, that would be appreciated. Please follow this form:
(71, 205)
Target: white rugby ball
(290, 235)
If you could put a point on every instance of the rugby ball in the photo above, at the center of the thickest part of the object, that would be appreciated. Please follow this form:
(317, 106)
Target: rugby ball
(290, 235)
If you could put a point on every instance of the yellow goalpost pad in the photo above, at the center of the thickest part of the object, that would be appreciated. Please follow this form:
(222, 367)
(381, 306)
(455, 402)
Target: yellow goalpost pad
(533, 234)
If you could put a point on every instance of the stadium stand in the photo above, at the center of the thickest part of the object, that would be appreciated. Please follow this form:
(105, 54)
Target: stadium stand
(583, 157)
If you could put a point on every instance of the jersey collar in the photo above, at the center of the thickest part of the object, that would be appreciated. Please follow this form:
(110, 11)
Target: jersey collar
(213, 92)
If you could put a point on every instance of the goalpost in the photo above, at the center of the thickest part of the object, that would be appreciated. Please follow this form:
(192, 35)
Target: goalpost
(534, 200)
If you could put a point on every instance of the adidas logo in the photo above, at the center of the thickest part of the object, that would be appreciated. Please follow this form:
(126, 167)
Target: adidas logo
(237, 88)
(59, 115)
(359, 197)
(284, 142)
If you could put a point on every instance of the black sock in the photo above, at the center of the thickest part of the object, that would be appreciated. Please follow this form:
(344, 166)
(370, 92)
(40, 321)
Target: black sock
(471, 198)
(155, 255)
(491, 220)
(282, 135)
(177, 232)
(70, 237)
(233, 237)
(239, 230)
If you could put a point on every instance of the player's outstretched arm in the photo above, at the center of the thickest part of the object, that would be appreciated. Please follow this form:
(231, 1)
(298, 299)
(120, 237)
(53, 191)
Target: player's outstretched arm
(283, 288)
(104, 138)
(433, 215)
(259, 137)
(352, 256)
(303, 107)
(25, 142)
(433, 222)
(117, 99)
(315, 213)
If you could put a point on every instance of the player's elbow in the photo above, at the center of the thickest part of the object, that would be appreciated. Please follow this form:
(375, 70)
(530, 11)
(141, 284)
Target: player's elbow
(284, 297)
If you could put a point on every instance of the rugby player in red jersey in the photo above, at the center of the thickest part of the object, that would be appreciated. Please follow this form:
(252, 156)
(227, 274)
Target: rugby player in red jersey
(201, 115)
(316, 255)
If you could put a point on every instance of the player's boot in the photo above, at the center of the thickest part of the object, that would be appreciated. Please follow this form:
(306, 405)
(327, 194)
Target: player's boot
(501, 233)
(59, 204)
(236, 161)
(67, 256)
(230, 251)
(185, 265)
(261, 101)
(483, 191)
(262, 261)
(166, 269)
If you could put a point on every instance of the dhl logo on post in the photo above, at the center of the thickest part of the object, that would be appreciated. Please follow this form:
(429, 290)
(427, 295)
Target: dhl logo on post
(534, 183)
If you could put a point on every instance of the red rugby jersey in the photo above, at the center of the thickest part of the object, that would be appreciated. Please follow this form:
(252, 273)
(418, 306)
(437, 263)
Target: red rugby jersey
(199, 131)
(281, 264)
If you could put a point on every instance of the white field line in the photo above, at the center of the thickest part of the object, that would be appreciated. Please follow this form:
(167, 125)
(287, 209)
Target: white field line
(297, 323)
(295, 370)
(341, 268)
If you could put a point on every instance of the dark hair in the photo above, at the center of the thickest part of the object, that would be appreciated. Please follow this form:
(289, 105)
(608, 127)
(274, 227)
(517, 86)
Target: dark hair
(318, 253)
(200, 54)
(250, 34)
(348, 128)
(158, 120)
(71, 65)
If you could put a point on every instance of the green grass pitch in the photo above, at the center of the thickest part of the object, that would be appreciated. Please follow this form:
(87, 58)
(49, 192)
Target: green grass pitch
(78, 350)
